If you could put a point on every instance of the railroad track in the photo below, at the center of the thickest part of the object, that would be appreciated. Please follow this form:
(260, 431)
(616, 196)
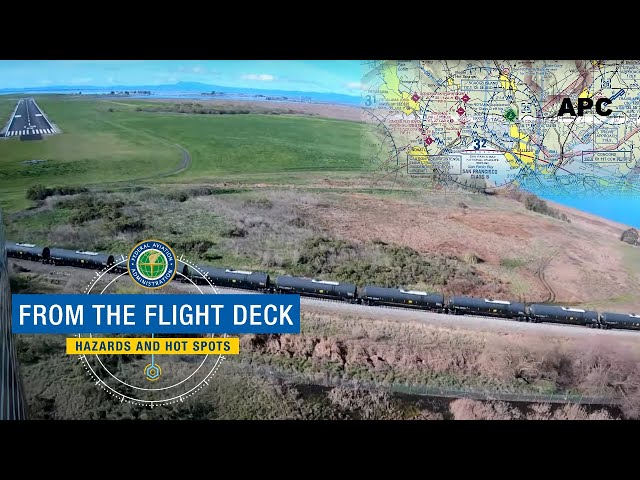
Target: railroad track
(365, 306)
(539, 273)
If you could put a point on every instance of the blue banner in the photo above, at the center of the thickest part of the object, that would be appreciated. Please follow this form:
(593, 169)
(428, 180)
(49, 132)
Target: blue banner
(171, 313)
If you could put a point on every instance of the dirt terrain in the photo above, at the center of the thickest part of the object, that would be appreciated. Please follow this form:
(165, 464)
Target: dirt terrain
(539, 258)
(513, 253)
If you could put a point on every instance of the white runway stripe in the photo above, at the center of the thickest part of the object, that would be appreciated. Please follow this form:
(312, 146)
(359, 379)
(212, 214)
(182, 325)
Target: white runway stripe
(32, 131)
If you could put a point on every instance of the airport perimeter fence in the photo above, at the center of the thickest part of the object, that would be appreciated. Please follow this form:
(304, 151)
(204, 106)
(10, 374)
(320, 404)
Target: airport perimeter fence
(12, 402)
(329, 381)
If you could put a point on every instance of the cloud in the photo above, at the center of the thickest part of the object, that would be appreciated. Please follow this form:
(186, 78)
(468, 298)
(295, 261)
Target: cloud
(81, 81)
(193, 69)
(263, 77)
(164, 78)
(354, 85)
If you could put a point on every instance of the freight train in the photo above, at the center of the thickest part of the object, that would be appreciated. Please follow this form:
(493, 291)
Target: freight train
(368, 295)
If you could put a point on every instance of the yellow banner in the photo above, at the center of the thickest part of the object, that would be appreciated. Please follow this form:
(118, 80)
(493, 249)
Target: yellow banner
(157, 346)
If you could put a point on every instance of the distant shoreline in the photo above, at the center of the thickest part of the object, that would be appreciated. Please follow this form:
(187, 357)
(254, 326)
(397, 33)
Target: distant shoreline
(620, 210)
(301, 97)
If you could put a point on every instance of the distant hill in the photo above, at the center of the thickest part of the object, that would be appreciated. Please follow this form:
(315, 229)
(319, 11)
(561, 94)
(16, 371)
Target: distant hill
(190, 87)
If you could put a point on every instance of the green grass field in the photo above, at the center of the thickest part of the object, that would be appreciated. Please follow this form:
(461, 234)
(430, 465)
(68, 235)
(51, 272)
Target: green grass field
(109, 141)
(255, 147)
(7, 105)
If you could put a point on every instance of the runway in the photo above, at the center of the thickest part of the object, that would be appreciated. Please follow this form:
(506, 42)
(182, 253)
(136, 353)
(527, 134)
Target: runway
(29, 122)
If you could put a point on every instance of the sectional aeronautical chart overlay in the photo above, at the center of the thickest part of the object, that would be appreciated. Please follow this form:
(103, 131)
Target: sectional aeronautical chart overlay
(553, 127)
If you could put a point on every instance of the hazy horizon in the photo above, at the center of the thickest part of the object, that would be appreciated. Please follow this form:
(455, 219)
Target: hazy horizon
(318, 76)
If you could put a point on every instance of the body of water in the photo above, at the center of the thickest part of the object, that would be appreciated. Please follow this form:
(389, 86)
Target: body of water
(311, 97)
(620, 209)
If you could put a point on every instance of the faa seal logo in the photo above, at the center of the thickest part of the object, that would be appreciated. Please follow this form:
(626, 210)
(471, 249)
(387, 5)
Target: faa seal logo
(152, 264)
(152, 379)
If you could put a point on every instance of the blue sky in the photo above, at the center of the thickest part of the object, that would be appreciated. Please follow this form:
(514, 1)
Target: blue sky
(330, 76)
